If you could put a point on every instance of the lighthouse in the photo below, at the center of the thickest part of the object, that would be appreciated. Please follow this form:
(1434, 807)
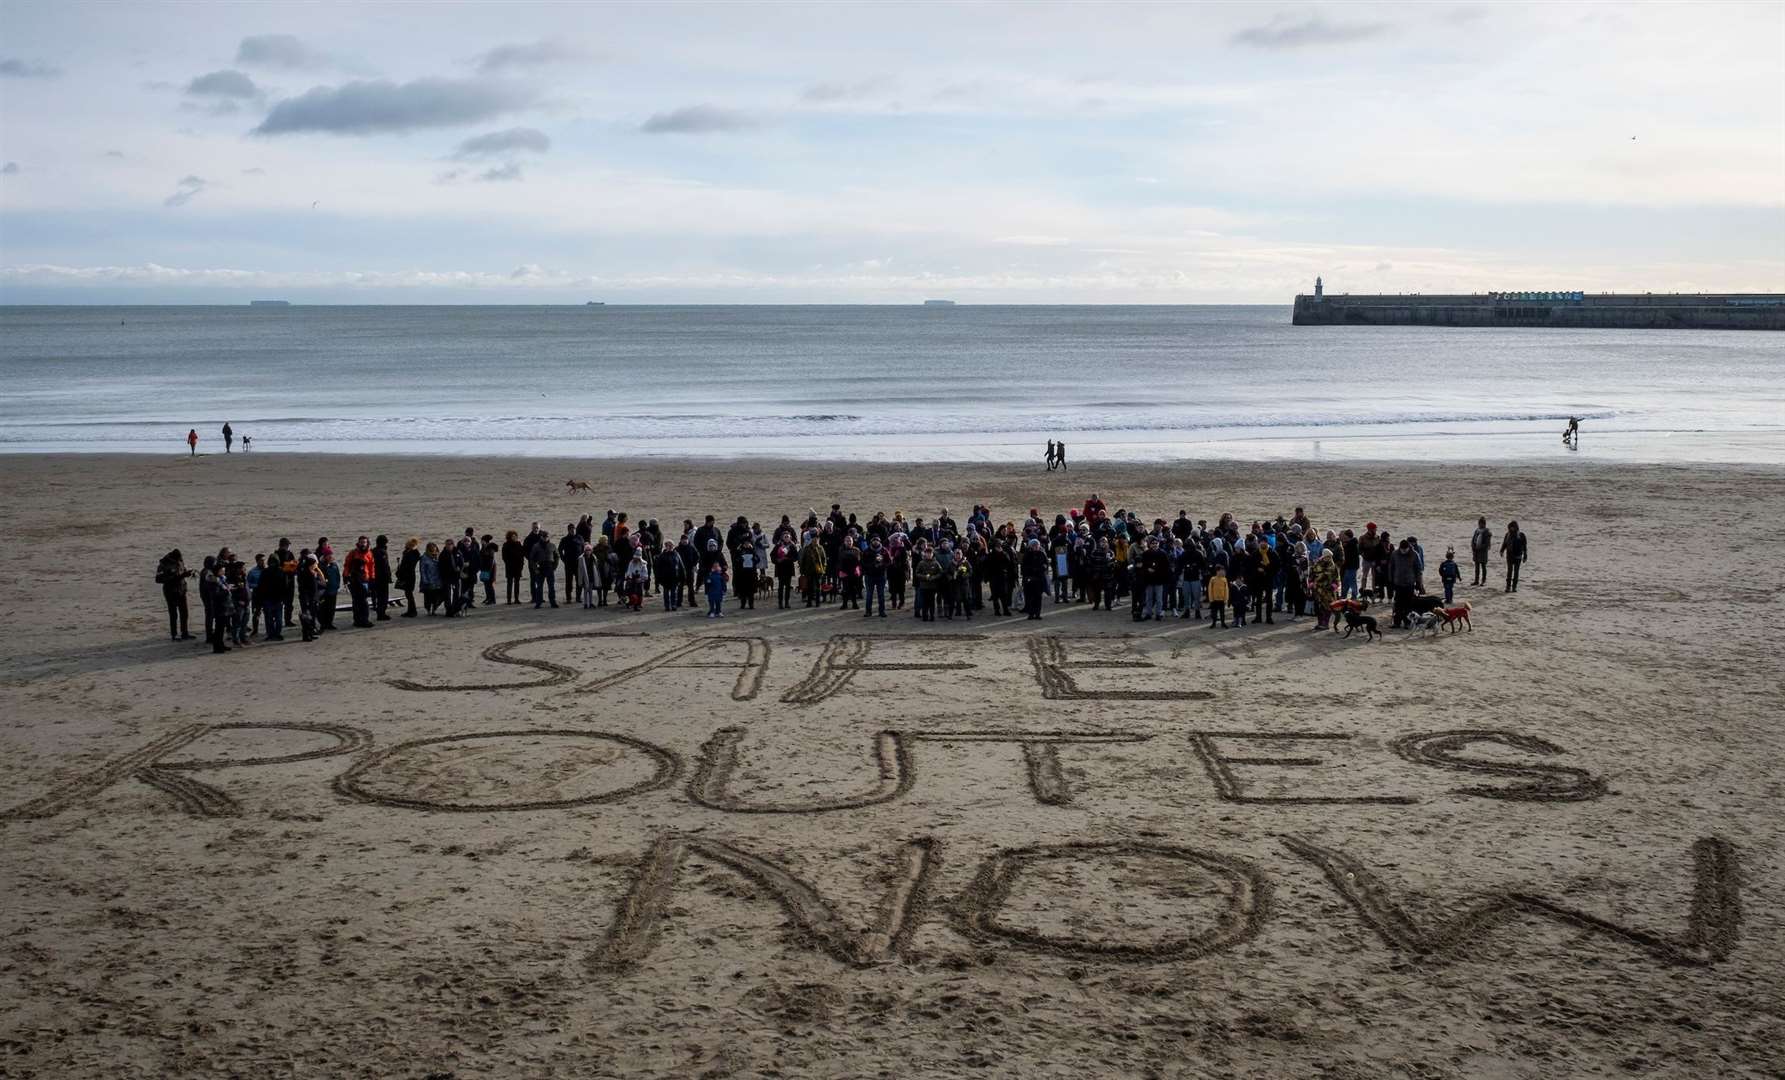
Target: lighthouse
(1319, 289)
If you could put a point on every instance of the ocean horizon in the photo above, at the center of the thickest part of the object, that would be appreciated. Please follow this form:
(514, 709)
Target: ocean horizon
(906, 382)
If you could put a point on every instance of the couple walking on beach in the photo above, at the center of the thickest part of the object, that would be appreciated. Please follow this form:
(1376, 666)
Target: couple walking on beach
(1056, 455)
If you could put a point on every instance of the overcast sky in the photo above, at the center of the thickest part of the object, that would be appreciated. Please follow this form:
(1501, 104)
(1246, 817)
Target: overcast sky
(515, 153)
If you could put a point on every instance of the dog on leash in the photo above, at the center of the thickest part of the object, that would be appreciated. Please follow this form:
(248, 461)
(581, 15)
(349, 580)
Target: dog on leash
(1454, 617)
(1425, 605)
(1346, 606)
(1368, 622)
(576, 486)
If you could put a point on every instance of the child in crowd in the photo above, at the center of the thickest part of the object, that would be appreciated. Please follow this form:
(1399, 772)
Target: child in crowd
(716, 590)
(637, 573)
(1449, 573)
(1242, 596)
(1218, 598)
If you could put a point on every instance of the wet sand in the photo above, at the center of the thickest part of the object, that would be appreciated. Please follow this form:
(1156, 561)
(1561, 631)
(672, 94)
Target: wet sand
(803, 844)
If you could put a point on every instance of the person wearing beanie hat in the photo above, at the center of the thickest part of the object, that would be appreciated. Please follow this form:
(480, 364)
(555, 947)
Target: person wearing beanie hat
(1449, 573)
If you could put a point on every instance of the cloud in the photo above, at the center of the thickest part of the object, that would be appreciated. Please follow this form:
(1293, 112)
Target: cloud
(697, 120)
(11, 168)
(831, 93)
(279, 51)
(1313, 30)
(226, 85)
(370, 107)
(497, 143)
(256, 171)
(534, 54)
(114, 153)
(12, 67)
(185, 191)
(510, 171)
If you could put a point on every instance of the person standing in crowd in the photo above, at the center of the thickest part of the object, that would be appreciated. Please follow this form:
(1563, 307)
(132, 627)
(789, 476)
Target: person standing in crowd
(331, 589)
(447, 563)
(468, 559)
(786, 559)
(1481, 544)
(1034, 567)
(1325, 578)
(361, 573)
(405, 575)
(171, 575)
(514, 562)
(998, 570)
(874, 566)
(744, 560)
(307, 581)
(488, 554)
(570, 554)
(428, 575)
(254, 572)
(381, 578)
(240, 602)
(207, 596)
(542, 562)
(276, 584)
(715, 585)
(229, 437)
(812, 570)
(669, 577)
(1514, 548)
(633, 583)
(1403, 573)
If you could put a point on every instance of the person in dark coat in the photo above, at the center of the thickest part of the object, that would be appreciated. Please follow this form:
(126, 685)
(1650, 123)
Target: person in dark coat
(381, 578)
(171, 575)
(406, 572)
(1035, 566)
(1514, 548)
(514, 565)
(998, 569)
(669, 577)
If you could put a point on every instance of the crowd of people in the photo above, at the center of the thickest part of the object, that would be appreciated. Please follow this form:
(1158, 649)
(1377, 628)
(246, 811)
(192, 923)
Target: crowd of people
(938, 569)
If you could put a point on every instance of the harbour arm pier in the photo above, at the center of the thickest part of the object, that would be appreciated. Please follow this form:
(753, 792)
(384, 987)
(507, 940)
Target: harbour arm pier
(1645, 311)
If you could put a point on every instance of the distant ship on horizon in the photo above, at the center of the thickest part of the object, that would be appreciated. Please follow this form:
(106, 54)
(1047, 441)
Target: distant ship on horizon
(269, 303)
(938, 303)
(594, 303)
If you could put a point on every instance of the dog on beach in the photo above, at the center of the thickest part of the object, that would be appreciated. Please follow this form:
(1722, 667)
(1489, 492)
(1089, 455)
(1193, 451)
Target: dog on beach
(1454, 617)
(1429, 621)
(1425, 605)
(1346, 607)
(1368, 622)
(576, 486)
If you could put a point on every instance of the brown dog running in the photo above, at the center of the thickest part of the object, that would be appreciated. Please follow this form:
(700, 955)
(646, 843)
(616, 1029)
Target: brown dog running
(579, 485)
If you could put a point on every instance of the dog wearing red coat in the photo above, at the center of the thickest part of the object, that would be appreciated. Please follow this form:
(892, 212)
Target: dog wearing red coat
(1455, 617)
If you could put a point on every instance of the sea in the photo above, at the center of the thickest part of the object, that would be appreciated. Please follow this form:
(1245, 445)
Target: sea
(962, 383)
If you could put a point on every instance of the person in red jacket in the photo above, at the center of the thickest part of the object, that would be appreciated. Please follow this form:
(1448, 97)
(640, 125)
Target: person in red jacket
(361, 572)
(192, 442)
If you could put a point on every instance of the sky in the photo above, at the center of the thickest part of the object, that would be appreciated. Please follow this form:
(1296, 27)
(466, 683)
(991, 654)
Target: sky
(868, 153)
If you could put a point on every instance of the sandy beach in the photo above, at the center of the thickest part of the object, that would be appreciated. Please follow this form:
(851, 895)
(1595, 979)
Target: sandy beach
(803, 844)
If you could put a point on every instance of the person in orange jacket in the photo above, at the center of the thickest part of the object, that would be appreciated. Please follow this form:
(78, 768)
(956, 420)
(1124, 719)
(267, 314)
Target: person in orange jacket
(192, 442)
(361, 571)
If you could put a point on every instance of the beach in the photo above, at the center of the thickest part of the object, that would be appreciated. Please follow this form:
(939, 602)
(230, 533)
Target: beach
(804, 844)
